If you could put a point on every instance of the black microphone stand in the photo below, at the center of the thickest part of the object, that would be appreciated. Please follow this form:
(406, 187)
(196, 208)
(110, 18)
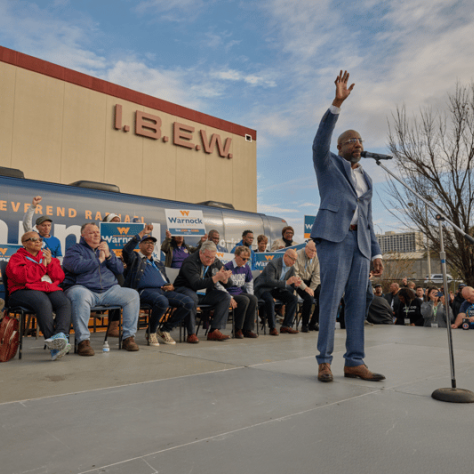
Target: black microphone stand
(453, 394)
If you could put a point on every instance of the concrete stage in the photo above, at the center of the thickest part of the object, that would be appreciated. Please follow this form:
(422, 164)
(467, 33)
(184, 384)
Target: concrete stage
(241, 406)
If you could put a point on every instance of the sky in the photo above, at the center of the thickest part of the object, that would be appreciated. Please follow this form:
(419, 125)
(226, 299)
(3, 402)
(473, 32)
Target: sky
(269, 65)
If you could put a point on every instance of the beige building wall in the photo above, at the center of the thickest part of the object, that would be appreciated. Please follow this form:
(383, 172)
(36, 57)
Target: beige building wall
(55, 130)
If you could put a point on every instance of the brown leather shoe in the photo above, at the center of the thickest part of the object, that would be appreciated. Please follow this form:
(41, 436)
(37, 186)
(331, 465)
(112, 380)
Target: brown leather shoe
(239, 334)
(287, 330)
(192, 339)
(216, 335)
(129, 344)
(324, 373)
(84, 348)
(274, 332)
(362, 372)
(250, 334)
(113, 330)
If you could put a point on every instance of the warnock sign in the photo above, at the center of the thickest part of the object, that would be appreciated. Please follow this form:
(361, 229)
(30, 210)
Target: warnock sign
(183, 135)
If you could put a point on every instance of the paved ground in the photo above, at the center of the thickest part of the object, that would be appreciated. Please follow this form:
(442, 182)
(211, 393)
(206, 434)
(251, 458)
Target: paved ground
(251, 406)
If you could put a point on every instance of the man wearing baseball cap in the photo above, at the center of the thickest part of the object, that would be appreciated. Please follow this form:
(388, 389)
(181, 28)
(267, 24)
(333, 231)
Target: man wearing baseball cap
(148, 277)
(43, 226)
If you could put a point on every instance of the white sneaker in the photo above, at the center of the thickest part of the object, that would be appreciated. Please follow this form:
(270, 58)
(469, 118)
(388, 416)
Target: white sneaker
(153, 339)
(167, 339)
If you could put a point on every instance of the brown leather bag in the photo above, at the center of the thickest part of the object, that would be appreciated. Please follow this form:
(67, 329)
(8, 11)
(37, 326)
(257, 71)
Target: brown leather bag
(9, 338)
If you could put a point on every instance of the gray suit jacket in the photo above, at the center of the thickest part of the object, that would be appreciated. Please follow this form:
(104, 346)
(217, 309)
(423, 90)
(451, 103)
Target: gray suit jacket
(270, 277)
(338, 196)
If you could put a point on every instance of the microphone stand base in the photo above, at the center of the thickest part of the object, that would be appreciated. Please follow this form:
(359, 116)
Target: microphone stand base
(453, 395)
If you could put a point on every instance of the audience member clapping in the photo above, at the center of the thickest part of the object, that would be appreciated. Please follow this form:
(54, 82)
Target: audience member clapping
(34, 277)
(243, 300)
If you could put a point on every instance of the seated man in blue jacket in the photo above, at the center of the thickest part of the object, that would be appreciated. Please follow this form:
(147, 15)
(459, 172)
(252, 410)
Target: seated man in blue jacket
(90, 269)
(148, 277)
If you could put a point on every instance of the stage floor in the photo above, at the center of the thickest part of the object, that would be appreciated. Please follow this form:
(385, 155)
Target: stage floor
(240, 406)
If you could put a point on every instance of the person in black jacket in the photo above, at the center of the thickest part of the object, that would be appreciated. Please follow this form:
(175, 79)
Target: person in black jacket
(392, 297)
(458, 300)
(203, 271)
(409, 311)
(148, 277)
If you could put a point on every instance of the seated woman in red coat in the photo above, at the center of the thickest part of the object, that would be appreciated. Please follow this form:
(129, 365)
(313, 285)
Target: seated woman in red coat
(33, 282)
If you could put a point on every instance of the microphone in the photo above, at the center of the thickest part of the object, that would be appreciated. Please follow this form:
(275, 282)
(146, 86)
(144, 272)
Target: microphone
(375, 156)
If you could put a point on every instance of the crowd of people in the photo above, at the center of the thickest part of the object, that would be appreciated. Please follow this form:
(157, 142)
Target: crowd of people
(91, 275)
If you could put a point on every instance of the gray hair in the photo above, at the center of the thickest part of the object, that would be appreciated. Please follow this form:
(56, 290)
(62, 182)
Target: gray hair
(208, 245)
(83, 226)
(242, 249)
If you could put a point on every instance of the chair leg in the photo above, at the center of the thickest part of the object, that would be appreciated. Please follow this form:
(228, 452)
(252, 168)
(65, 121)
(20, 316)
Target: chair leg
(22, 324)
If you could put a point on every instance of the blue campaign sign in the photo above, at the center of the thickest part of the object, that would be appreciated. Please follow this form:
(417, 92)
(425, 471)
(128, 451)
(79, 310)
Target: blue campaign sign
(294, 247)
(117, 234)
(262, 258)
(7, 250)
(308, 225)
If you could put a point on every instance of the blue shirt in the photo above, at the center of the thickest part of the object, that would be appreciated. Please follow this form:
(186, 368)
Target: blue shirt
(468, 308)
(53, 244)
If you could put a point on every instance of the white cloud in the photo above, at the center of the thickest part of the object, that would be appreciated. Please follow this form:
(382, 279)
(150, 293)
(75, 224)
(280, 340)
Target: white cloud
(258, 79)
(174, 11)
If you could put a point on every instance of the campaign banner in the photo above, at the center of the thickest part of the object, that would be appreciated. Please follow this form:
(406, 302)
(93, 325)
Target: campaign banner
(7, 250)
(293, 247)
(117, 234)
(183, 223)
(262, 259)
(225, 257)
(308, 225)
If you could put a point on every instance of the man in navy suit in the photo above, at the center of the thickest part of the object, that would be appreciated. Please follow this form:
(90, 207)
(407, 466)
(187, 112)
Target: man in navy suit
(345, 238)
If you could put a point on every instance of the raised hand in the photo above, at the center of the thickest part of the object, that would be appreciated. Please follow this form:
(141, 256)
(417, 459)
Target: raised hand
(168, 234)
(146, 230)
(342, 91)
(36, 201)
(204, 238)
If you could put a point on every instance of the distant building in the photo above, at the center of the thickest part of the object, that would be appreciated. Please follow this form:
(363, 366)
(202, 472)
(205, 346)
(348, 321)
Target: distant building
(403, 242)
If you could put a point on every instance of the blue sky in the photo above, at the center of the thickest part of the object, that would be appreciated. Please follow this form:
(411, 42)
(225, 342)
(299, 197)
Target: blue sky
(266, 64)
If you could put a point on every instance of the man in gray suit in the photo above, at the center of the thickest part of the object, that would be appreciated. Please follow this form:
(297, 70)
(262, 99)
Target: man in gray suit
(344, 234)
(278, 280)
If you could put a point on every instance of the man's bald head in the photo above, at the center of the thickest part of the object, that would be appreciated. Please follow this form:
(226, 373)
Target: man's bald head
(467, 292)
(350, 146)
(345, 136)
(290, 257)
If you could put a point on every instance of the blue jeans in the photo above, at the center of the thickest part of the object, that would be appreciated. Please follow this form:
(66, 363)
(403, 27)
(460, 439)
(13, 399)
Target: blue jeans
(160, 300)
(82, 300)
